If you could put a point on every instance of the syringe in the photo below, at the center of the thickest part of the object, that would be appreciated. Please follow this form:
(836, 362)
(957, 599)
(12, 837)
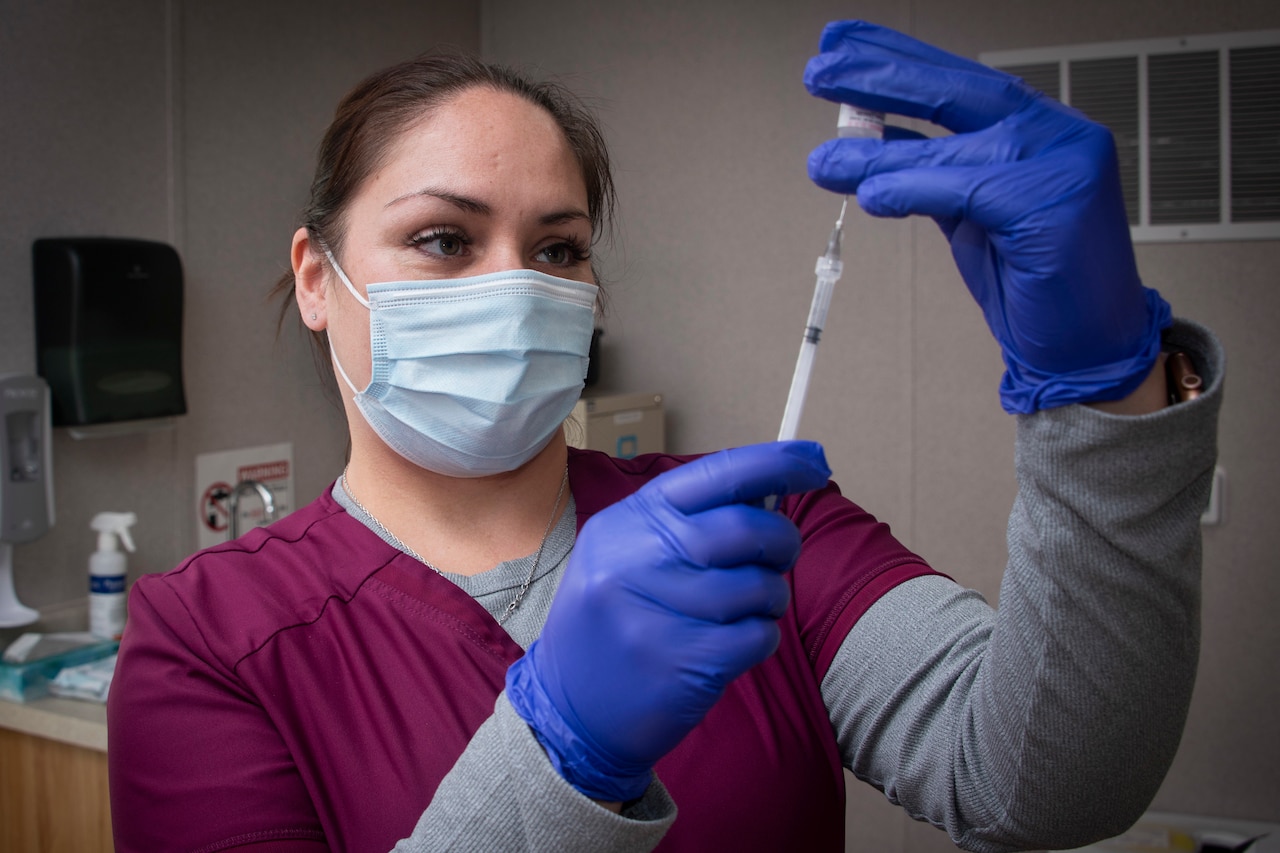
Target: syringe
(852, 122)
(828, 269)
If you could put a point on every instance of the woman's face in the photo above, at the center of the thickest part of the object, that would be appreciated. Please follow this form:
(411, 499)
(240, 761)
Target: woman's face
(484, 183)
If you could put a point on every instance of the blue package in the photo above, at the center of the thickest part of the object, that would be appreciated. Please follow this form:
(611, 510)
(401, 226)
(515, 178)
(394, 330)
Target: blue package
(27, 682)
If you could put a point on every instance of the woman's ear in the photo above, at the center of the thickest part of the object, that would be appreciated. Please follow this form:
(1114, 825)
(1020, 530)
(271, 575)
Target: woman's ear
(309, 282)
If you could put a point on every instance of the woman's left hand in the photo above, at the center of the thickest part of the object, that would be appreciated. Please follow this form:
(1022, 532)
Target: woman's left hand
(1028, 193)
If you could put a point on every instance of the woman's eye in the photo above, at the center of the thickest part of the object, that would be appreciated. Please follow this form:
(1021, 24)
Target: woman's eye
(448, 245)
(557, 254)
(562, 254)
(441, 243)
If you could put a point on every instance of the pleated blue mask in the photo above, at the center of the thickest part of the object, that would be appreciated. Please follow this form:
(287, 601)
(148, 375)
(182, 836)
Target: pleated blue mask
(473, 376)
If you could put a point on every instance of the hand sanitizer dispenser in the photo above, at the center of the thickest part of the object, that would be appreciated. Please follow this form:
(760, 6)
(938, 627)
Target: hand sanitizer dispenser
(26, 481)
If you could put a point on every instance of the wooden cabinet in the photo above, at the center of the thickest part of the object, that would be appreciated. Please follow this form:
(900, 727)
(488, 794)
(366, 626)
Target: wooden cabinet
(53, 796)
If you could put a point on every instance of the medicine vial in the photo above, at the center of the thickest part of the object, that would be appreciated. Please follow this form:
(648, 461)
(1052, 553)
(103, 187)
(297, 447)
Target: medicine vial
(855, 122)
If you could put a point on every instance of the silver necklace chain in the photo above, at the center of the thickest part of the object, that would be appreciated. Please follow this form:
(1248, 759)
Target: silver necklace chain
(537, 558)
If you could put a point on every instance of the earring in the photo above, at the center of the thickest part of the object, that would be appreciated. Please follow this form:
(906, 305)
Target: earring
(313, 315)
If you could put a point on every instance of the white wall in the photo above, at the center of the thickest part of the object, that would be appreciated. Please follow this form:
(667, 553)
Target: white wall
(195, 124)
(710, 128)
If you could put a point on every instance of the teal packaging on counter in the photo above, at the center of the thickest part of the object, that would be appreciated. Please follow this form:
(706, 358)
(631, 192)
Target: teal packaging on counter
(27, 682)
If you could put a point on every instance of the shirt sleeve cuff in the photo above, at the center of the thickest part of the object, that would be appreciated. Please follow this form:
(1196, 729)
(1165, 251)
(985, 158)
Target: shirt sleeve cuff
(558, 804)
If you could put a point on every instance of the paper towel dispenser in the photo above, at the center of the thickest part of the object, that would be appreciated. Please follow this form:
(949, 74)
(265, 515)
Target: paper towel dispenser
(109, 329)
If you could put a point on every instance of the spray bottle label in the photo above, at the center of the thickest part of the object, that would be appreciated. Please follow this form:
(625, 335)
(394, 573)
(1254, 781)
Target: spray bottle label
(106, 616)
(106, 584)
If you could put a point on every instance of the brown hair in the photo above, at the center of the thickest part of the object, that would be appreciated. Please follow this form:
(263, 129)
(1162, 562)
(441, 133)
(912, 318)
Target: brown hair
(374, 114)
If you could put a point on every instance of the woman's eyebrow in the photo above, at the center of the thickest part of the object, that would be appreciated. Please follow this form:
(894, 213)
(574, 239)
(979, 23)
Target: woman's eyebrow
(475, 206)
(462, 202)
(560, 217)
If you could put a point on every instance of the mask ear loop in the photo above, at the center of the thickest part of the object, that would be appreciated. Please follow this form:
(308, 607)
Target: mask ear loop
(342, 275)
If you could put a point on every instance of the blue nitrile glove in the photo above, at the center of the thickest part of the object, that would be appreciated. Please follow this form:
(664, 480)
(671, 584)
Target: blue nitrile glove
(1028, 193)
(669, 595)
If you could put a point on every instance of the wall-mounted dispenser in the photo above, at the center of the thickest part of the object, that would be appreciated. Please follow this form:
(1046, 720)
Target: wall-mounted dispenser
(109, 330)
(26, 481)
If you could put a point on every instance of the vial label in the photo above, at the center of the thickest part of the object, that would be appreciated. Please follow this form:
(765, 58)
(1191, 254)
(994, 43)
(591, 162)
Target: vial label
(856, 122)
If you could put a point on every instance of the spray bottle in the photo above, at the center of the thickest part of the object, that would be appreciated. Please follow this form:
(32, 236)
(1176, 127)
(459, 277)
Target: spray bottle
(107, 573)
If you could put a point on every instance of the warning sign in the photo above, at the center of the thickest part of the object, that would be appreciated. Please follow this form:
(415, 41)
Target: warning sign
(213, 507)
(278, 470)
(221, 475)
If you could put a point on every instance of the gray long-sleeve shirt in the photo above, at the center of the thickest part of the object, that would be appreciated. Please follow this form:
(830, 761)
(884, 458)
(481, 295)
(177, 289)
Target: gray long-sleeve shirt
(1048, 722)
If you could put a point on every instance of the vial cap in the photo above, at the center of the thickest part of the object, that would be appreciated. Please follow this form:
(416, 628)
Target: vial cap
(855, 122)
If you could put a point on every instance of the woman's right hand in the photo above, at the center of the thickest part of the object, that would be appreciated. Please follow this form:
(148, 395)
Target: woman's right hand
(669, 595)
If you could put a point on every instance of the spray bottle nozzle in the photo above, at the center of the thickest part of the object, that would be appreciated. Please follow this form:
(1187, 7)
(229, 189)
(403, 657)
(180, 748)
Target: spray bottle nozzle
(111, 525)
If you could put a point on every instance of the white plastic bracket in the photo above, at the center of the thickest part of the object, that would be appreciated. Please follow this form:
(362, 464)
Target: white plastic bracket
(1216, 511)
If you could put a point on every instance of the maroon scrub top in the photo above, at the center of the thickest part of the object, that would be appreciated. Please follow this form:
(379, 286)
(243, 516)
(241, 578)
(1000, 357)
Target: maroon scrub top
(307, 686)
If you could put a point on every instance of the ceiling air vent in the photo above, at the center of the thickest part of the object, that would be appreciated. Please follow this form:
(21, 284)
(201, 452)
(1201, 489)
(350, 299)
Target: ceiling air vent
(1196, 122)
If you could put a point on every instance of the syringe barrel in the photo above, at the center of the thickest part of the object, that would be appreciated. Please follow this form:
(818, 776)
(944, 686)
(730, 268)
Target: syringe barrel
(828, 273)
(828, 267)
(799, 390)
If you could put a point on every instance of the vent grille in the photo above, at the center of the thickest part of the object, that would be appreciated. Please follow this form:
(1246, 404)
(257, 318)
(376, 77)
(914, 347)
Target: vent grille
(1186, 158)
(1106, 90)
(1255, 134)
(1044, 76)
(1196, 122)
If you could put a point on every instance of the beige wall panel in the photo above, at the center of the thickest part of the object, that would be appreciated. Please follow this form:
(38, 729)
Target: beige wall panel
(195, 124)
(710, 128)
(85, 134)
(261, 81)
(1227, 764)
(710, 283)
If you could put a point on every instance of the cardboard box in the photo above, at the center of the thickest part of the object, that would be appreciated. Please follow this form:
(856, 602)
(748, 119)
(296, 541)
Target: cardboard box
(622, 425)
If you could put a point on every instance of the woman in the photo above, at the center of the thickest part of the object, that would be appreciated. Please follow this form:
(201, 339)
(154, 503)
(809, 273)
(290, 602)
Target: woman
(479, 639)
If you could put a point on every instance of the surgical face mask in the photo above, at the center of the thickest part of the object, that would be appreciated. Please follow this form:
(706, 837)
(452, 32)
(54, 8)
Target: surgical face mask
(473, 376)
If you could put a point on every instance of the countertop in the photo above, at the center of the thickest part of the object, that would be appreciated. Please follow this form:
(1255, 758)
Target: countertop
(72, 721)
